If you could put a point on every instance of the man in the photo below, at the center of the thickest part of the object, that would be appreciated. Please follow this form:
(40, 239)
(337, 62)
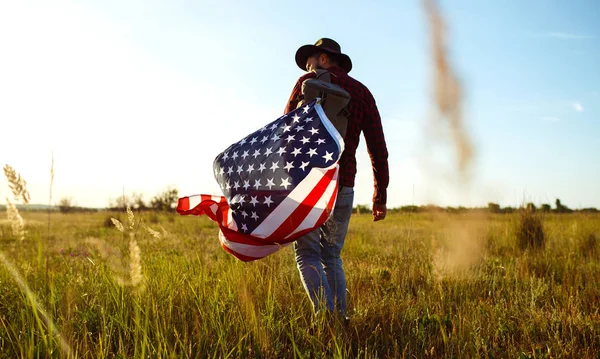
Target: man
(318, 252)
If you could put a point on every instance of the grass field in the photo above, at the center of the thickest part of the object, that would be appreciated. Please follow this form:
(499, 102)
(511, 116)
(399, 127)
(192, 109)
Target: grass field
(420, 285)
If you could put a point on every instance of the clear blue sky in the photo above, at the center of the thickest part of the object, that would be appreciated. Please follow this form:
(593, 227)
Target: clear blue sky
(141, 95)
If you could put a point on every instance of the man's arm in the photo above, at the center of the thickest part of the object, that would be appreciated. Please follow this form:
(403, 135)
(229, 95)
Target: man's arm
(377, 148)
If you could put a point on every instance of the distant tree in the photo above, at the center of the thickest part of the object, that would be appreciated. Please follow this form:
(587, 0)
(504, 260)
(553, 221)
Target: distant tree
(546, 208)
(362, 208)
(561, 208)
(432, 208)
(165, 200)
(409, 209)
(65, 204)
(531, 207)
(121, 202)
(138, 202)
(493, 207)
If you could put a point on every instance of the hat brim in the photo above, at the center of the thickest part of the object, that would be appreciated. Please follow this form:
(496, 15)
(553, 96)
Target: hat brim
(307, 50)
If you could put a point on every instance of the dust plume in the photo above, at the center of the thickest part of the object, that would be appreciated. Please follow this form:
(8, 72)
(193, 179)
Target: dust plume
(459, 246)
(447, 95)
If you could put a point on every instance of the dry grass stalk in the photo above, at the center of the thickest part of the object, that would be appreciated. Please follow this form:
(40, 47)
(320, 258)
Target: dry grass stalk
(17, 184)
(50, 192)
(135, 263)
(51, 179)
(112, 256)
(37, 307)
(16, 221)
(530, 230)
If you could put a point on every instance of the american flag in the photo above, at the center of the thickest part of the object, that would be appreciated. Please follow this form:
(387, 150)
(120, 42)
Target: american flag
(278, 183)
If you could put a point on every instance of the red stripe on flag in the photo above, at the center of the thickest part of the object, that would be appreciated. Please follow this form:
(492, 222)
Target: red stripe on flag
(239, 256)
(204, 207)
(242, 238)
(297, 216)
(183, 205)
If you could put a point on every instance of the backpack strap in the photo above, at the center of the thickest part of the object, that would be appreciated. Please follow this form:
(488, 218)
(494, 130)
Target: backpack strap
(334, 99)
(323, 75)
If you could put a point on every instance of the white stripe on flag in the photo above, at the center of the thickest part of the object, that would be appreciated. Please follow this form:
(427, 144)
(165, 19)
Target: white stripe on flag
(250, 250)
(314, 215)
(290, 203)
(230, 222)
(330, 128)
(194, 200)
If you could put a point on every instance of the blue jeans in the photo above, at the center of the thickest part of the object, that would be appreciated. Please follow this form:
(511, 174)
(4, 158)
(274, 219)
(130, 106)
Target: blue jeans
(318, 257)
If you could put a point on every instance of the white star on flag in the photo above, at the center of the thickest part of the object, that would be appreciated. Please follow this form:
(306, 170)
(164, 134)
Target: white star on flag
(285, 183)
(268, 201)
(274, 166)
(288, 166)
(270, 183)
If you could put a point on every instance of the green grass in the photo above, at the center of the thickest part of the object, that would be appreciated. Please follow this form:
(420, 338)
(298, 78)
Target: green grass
(419, 285)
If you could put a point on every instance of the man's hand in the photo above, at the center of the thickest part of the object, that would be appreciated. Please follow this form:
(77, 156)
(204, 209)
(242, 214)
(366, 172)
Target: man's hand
(379, 211)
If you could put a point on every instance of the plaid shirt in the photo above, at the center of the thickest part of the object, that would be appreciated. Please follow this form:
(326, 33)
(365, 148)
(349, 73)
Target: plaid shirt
(364, 117)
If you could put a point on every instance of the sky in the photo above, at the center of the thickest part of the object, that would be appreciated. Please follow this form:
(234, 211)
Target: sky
(135, 96)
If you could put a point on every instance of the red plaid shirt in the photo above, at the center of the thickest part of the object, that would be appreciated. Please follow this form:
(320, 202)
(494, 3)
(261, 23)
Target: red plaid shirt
(364, 117)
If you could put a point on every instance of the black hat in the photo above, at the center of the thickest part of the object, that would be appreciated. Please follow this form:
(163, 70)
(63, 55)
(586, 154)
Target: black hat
(327, 46)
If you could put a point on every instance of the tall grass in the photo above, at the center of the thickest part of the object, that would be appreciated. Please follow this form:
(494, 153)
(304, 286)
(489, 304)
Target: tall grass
(199, 301)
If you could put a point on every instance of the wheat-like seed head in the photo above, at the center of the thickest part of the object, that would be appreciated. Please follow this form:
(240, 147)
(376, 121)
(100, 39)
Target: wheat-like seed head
(118, 224)
(135, 263)
(17, 184)
(131, 217)
(16, 221)
(153, 233)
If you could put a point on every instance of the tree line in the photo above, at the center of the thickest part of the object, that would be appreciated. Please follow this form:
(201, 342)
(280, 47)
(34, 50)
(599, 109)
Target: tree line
(166, 200)
(491, 208)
